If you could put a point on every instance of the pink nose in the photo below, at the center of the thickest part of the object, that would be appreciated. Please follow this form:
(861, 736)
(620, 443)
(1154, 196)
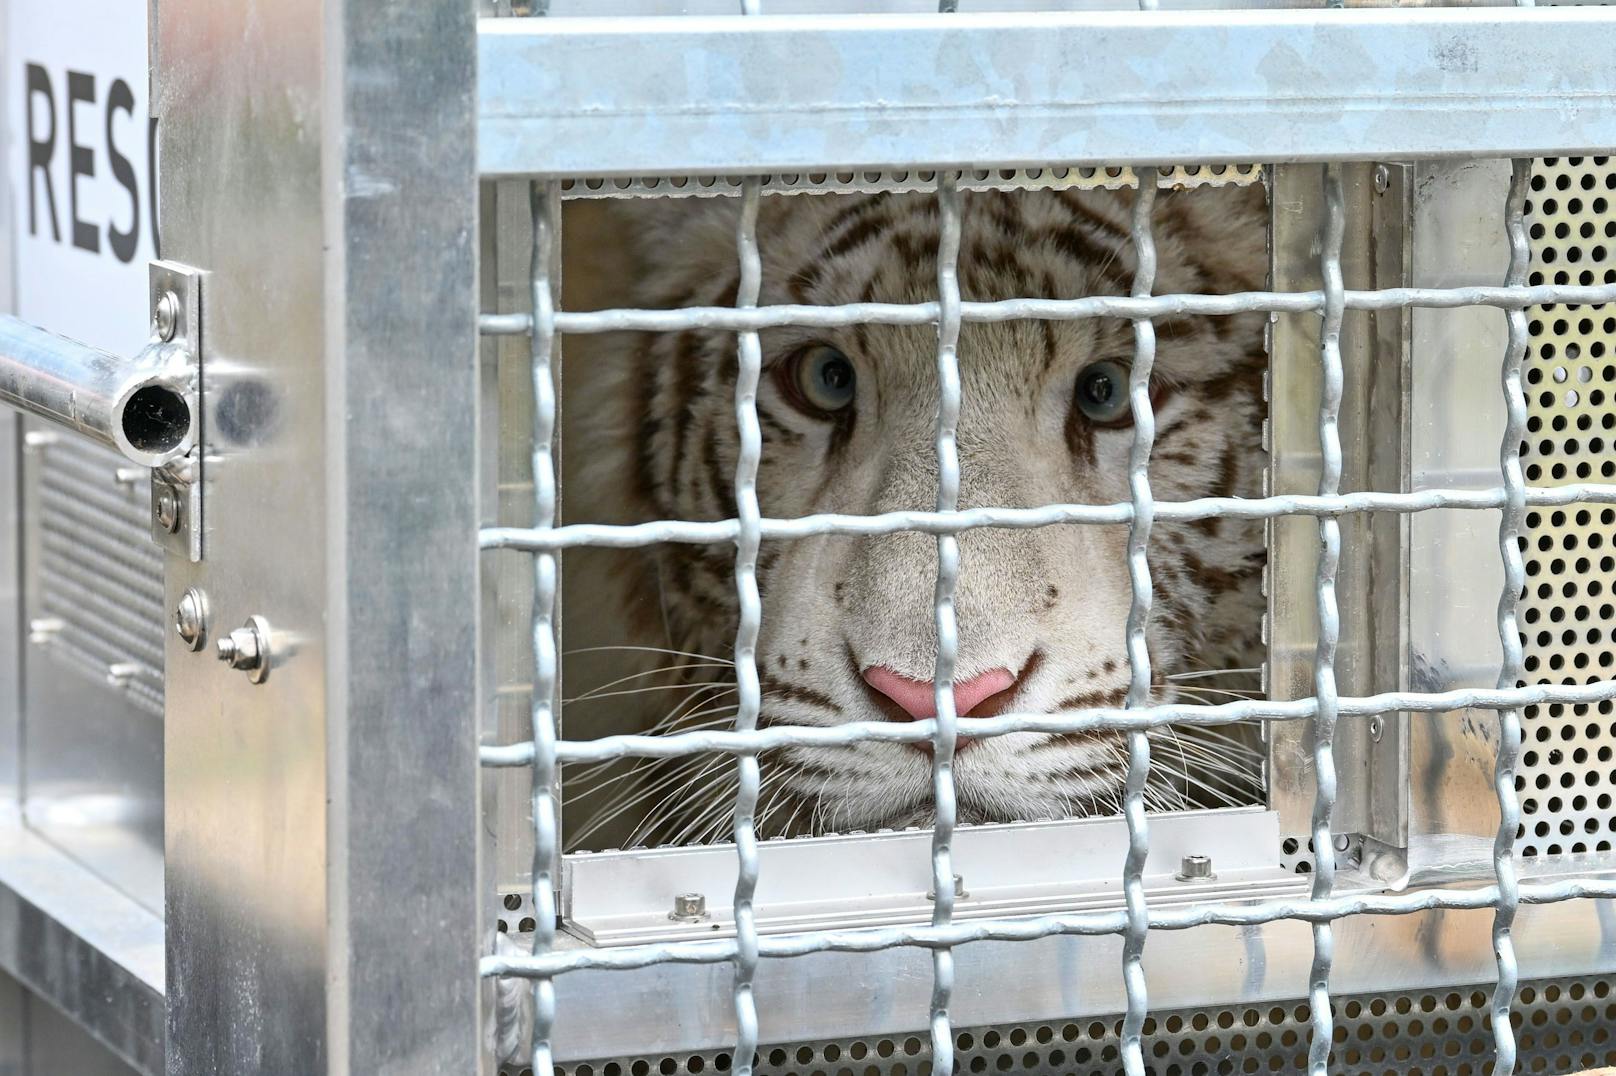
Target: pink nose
(918, 698)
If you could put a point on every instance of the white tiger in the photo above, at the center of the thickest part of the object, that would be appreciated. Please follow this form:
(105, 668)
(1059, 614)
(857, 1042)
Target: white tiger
(848, 419)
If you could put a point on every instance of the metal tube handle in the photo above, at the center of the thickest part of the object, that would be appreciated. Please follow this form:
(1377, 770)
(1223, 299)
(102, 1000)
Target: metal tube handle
(144, 407)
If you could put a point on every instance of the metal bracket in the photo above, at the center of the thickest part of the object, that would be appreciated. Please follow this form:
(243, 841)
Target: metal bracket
(176, 487)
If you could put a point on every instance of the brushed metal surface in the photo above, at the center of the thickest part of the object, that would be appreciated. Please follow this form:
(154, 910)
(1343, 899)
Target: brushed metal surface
(92, 746)
(318, 164)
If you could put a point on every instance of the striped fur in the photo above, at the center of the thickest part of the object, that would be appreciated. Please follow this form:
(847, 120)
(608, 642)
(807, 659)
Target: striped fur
(651, 434)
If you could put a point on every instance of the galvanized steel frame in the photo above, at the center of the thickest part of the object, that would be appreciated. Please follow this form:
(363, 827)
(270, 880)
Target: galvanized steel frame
(689, 96)
(1324, 906)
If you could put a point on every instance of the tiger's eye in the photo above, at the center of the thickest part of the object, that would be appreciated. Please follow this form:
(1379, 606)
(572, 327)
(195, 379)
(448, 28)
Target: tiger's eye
(825, 379)
(1102, 394)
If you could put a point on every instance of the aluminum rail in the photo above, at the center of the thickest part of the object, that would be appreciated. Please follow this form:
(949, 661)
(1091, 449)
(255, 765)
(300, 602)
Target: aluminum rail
(142, 407)
(78, 942)
(732, 96)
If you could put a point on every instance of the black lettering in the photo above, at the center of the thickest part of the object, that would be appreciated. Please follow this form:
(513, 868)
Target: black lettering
(40, 150)
(119, 97)
(80, 160)
(151, 186)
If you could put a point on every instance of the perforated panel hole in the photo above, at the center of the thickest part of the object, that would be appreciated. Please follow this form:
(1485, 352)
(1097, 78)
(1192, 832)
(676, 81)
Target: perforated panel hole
(1565, 627)
(1561, 1027)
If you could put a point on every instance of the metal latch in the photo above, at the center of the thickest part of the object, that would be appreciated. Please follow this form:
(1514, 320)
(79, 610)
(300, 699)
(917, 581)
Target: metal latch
(176, 487)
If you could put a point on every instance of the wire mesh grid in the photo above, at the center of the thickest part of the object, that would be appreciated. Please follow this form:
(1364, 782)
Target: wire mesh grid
(1562, 1026)
(546, 753)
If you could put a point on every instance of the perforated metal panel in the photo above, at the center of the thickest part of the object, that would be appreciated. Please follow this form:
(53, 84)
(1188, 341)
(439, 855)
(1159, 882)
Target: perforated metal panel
(900, 180)
(1567, 777)
(1562, 1027)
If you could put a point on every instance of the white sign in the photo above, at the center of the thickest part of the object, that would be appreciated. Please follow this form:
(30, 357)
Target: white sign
(81, 167)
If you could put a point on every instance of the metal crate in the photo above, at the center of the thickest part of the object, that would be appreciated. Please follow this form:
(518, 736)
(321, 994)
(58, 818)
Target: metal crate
(362, 866)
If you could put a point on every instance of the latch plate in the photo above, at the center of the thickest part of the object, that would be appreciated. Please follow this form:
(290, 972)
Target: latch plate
(176, 487)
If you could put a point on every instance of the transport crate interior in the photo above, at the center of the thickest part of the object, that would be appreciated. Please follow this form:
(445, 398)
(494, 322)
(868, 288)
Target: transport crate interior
(837, 538)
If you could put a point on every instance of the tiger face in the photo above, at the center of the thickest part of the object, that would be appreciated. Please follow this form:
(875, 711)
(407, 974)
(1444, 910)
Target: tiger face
(848, 417)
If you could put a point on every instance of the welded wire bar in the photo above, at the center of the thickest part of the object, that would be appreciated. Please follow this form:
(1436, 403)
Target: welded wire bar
(1139, 685)
(643, 534)
(1511, 527)
(1031, 928)
(1075, 722)
(544, 199)
(748, 692)
(1324, 686)
(728, 319)
(943, 740)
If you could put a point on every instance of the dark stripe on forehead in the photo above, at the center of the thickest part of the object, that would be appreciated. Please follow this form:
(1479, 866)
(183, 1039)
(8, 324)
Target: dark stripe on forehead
(864, 232)
(1100, 258)
(1084, 212)
(854, 211)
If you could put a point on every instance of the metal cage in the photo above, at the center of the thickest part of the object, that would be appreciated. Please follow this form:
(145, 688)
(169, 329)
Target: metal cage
(363, 223)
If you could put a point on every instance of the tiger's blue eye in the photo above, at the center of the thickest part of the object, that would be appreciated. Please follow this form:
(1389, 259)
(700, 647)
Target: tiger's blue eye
(824, 379)
(1102, 394)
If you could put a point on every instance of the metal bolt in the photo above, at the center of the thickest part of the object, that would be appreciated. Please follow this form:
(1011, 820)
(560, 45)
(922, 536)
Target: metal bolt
(247, 649)
(1376, 727)
(166, 318)
(1383, 179)
(44, 629)
(191, 618)
(959, 889)
(689, 908)
(1196, 869)
(1342, 842)
(168, 508)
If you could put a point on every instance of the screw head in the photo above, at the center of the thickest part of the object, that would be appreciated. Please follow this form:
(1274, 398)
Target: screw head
(1383, 179)
(167, 508)
(1196, 869)
(689, 908)
(191, 618)
(166, 316)
(1377, 726)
